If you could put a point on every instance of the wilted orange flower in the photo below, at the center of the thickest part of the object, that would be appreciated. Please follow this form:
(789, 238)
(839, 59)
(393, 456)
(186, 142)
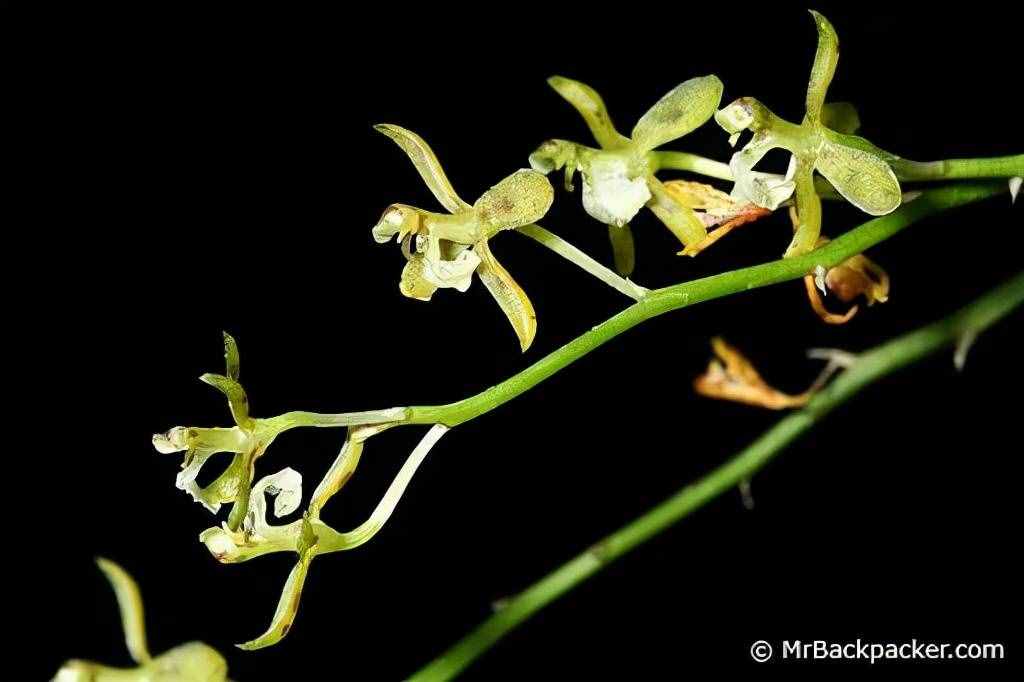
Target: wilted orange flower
(856, 276)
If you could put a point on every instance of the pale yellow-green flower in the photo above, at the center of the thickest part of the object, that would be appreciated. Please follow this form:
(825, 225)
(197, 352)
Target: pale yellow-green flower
(857, 169)
(444, 250)
(619, 178)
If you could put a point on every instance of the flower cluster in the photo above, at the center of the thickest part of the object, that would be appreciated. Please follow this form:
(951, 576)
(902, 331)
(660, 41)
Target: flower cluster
(445, 250)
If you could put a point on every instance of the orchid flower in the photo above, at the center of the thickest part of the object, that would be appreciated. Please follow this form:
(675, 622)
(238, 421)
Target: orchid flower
(731, 376)
(185, 663)
(619, 178)
(444, 250)
(247, 440)
(247, 533)
(856, 276)
(858, 170)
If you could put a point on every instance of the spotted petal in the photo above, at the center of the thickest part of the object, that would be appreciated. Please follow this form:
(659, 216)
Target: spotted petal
(520, 199)
(862, 177)
(683, 109)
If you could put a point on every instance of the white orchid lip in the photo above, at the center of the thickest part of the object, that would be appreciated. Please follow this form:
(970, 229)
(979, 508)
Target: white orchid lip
(610, 194)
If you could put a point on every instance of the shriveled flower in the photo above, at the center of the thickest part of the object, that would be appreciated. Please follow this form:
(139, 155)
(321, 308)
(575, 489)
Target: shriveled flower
(185, 663)
(619, 178)
(730, 376)
(715, 208)
(859, 171)
(444, 250)
(856, 276)
(247, 440)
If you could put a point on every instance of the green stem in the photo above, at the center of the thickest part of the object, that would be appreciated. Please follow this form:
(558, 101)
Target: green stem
(867, 368)
(692, 163)
(908, 171)
(588, 264)
(660, 301)
(959, 169)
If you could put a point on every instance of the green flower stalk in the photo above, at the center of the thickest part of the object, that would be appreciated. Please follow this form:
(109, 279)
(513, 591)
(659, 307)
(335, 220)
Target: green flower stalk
(449, 248)
(185, 663)
(619, 178)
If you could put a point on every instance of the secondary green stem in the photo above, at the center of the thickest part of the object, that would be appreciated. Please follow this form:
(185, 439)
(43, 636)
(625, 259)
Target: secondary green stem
(958, 169)
(588, 264)
(660, 301)
(867, 368)
(907, 171)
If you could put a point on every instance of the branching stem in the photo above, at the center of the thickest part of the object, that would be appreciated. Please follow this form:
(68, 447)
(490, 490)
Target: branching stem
(869, 367)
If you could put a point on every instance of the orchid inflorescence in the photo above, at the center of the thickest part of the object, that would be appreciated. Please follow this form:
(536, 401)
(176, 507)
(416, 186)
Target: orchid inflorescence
(247, 534)
(444, 250)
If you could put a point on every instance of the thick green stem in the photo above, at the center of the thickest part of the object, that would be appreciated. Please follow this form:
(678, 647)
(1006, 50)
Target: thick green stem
(959, 169)
(660, 301)
(867, 368)
(588, 264)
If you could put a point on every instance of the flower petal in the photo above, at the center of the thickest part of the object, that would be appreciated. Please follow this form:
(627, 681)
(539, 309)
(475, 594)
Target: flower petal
(766, 190)
(680, 220)
(807, 225)
(841, 117)
(287, 607)
(609, 193)
(520, 199)
(454, 273)
(684, 108)
(400, 220)
(426, 163)
(237, 399)
(862, 177)
(591, 107)
(738, 381)
(825, 59)
(413, 283)
(509, 295)
(129, 601)
(231, 358)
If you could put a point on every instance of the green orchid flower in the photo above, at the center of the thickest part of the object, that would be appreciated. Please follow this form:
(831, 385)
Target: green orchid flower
(247, 440)
(309, 536)
(444, 250)
(859, 171)
(619, 178)
(189, 662)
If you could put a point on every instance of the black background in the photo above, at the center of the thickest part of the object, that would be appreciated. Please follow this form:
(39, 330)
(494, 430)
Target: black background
(193, 171)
